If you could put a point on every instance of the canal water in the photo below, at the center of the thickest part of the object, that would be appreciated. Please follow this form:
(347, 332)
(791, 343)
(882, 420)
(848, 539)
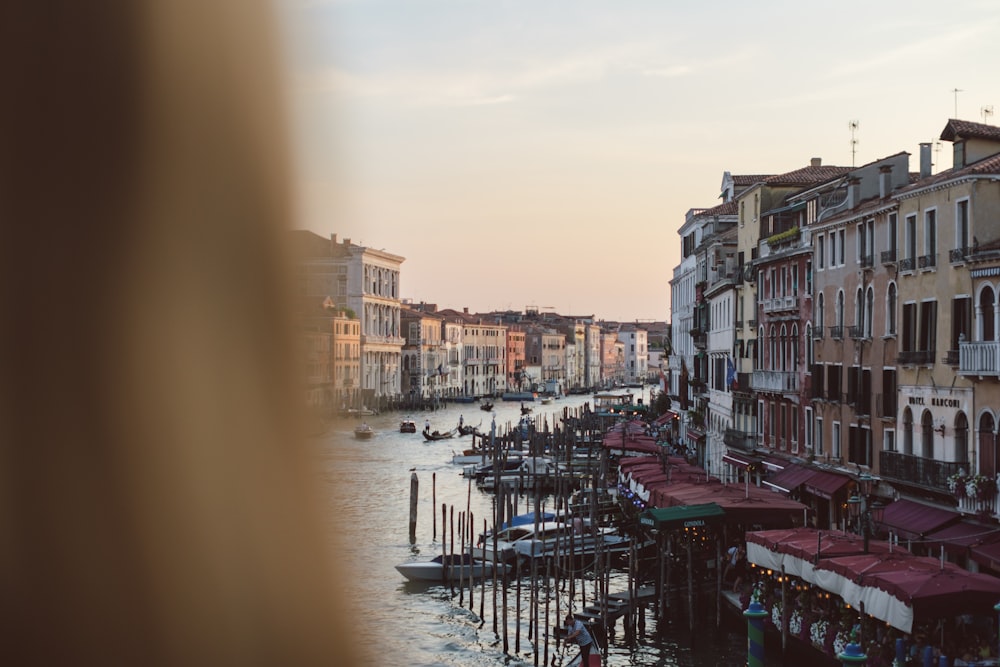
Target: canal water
(402, 623)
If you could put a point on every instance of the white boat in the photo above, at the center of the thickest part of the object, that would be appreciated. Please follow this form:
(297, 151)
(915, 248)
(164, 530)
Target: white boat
(579, 545)
(517, 474)
(475, 457)
(508, 538)
(451, 567)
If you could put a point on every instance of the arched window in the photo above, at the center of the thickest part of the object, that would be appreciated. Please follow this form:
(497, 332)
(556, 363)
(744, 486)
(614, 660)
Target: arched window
(859, 310)
(987, 444)
(987, 305)
(761, 342)
(784, 349)
(907, 431)
(869, 307)
(926, 435)
(961, 437)
(890, 310)
(795, 347)
(820, 307)
(772, 362)
(810, 347)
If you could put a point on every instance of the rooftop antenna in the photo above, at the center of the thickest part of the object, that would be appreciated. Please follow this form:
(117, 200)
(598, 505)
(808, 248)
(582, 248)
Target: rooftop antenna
(852, 125)
(986, 112)
(956, 91)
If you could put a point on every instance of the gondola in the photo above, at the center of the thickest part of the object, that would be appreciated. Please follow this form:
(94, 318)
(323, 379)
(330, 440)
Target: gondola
(487, 406)
(440, 436)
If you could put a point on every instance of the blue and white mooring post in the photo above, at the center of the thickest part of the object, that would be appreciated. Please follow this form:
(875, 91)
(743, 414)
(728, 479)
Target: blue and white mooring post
(755, 615)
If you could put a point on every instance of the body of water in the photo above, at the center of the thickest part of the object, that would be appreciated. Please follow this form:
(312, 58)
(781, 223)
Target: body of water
(402, 623)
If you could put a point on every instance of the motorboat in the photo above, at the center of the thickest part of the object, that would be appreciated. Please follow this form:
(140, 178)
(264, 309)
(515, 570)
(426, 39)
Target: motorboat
(516, 473)
(363, 432)
(508, 538)
(407, 426)
(476, 456)
(450, 568)
(583, 543)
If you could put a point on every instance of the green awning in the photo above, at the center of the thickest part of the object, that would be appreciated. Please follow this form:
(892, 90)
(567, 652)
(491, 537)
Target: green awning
(682, 516)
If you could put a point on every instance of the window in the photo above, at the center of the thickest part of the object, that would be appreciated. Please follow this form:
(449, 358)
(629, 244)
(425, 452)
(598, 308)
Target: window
(888, 393)
(930, 236)
(820, 251)
(909, 341)
(810, 425)
(859, 445)
(839, 313)
(818, 437)
(962, 225)
(927, 331)
(889, 441)
(890, 310)
(833, 249)
(907, 431)
(793, 431)
(835, 441)
(869, 307)
(841, 243)
(911, 237)
(961, 320)
(782, 433)
(819, 309)
(835, 375)
(809, 277)
(892, 236)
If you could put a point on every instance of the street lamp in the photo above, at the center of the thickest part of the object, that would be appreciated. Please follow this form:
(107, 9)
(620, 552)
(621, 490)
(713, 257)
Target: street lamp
(865, 510)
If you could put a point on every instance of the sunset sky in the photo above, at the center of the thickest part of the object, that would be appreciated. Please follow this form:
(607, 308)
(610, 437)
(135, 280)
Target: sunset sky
(544, 153)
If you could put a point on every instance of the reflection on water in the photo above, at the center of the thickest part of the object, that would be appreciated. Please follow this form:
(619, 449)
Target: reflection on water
(402, 623)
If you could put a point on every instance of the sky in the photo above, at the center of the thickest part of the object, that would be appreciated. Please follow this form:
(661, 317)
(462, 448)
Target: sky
(543, 153)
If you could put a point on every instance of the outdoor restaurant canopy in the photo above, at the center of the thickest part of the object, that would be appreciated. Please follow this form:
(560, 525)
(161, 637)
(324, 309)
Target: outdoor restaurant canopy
(684, 516)
(889, 583)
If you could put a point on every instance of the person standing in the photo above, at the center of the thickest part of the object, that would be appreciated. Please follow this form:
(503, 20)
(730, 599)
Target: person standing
(577, 631)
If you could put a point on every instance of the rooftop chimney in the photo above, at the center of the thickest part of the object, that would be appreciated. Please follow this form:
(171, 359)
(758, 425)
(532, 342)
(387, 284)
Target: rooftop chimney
(347, 241)
(816, 162)
(465, 309)
(925, 160)
(884, 181)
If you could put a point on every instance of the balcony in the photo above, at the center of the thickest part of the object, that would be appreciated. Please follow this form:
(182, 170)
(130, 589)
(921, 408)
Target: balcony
(927, 261)
(980, 358)
(776, 382)
(700, 340)
(739, 440)
(781, 303)
(981, 504)
(857, 333)
(889, 256)
(752, 323)
(958, 255)
(867, 262)
(837, 332)
(817, 333)
(918, 471)
(916, 357)
(907, 264)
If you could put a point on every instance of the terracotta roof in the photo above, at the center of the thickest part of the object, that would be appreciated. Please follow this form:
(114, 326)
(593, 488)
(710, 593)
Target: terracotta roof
(727, 208)
(807, 175)
(966, 129)
(741, 179)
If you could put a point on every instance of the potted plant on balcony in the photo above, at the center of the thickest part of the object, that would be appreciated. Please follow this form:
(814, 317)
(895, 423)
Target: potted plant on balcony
(956, 483)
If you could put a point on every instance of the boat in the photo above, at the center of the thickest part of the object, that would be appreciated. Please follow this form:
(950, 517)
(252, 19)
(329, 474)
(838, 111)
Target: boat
(507, 539)
(407, 426)
(518, 396)
(435, 435)
(363, 432)
(521, 474)
(451, 567)
(579, 545)
(547, 400)
(487, 406)
(475, 456)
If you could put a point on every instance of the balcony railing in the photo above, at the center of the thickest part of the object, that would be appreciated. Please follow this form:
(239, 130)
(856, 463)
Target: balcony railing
(777, 382)
(980, 504)
(817, 333)
(916, 357)
(958, 255)
(888, 256)
(837, 332)
(740, 440)
(780, 303)
(857, 332)
(867, 262)
(916, 470)
(950, 358)
(927, 261)
(979, 358)
(906, 264)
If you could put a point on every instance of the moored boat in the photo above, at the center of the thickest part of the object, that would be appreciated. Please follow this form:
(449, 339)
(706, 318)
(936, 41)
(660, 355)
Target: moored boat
(451, 567)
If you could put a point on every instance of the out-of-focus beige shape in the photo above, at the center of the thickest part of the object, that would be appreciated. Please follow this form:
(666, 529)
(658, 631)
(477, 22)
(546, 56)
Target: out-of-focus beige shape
(158, 505)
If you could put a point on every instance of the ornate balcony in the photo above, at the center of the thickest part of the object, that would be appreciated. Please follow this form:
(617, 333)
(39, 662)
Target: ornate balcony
(916, 357)
(888, 256)
(907, 264)
(740, 440)
(857, 332)
(927, 261)
(776, 382)
(918, 471)
(817, 333)
(837, 333)
(981, 358)
(867, 262)
(958, 255)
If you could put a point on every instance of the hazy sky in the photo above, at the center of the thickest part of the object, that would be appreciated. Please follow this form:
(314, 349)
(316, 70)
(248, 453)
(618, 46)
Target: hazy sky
(544, 153)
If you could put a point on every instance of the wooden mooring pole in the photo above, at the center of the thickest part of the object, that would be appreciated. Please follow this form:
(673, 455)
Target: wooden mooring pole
(414, 485)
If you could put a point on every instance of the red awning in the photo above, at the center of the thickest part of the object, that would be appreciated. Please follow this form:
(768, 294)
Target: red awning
(695, 434)
(824, 484)
(913, 520)
(791, 478)
(957, 538)
(665, 417)
(738, 460)
(987, 555)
